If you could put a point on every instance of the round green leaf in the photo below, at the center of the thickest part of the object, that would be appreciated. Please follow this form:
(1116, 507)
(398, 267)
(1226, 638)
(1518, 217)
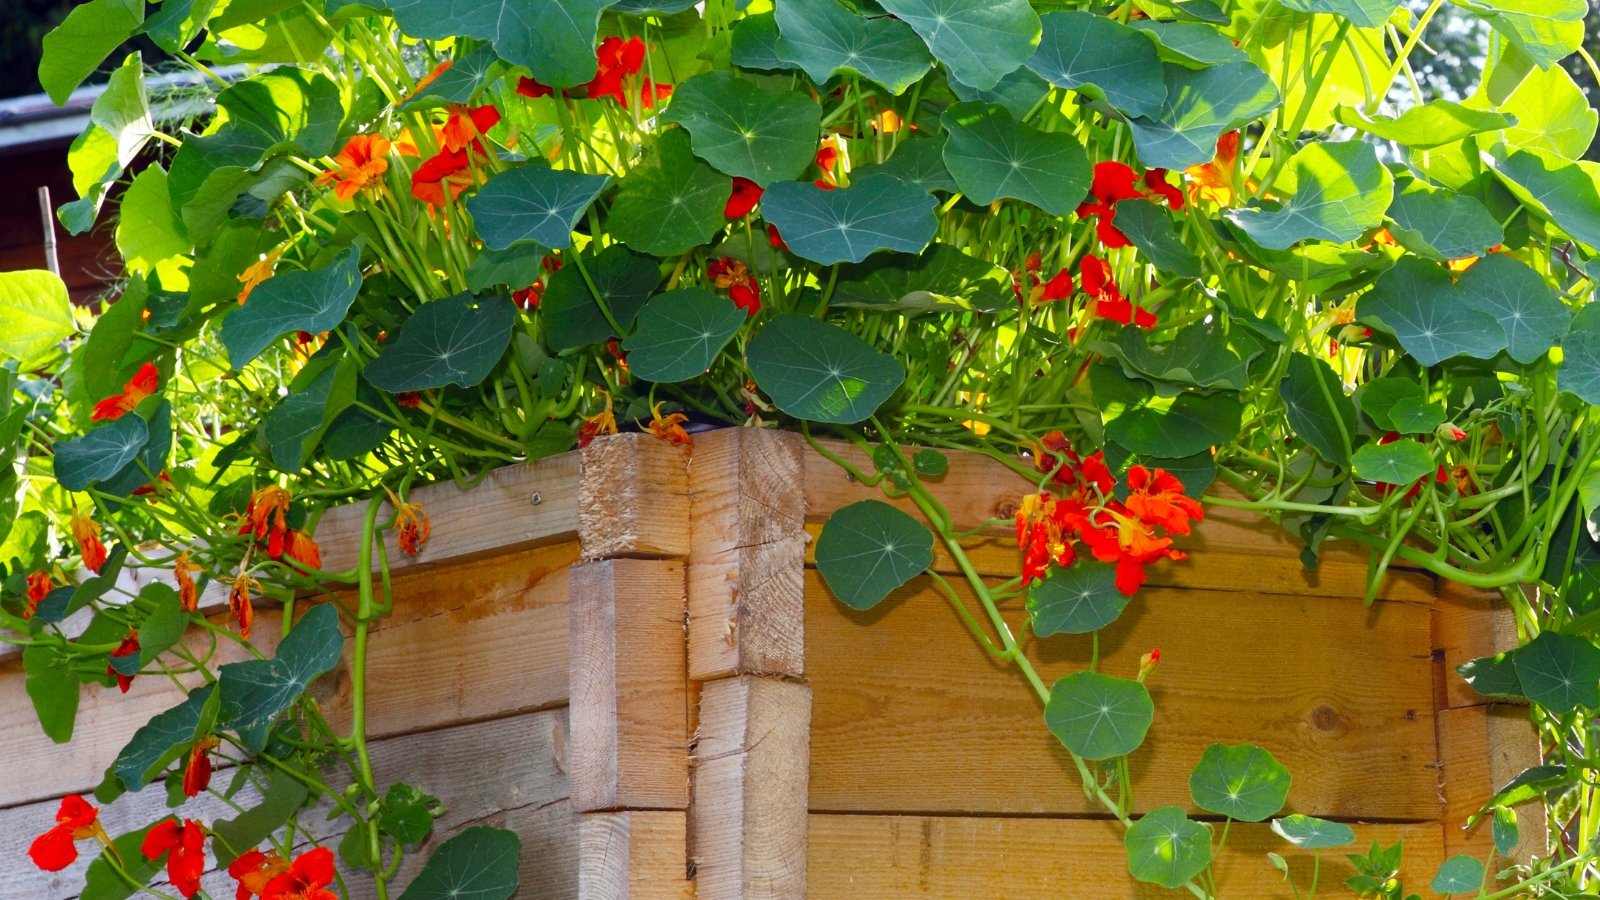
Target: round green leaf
(868, 549)
(1505, 831)
(100, 453)
(1199, 106)
(1402, 462)
(931, 463)
(1243, 782)
(1416, 415)
(1078, 600)
(461, 82)
(1097, 716)
(980, 41)
(1459, 875)
(672, 202)
(1312, 833)
(480, 863)
(916, 162)
(1380, 396)
(1165, 847)
(313, 300)
(680, 333)
(745, 129)
(1513, 294)
(553, 38)
(1565, 193)
(991, 155)
(1421, 306)
(823, 38)
(533, 203)
(1081, 48)
(1492, 676)
(1150, 228)
(1559, 672)
(623, 279)
(1442, 224)
(875, 213)
(35, 314)
(457, 340)
(818, 371)
(83, 40)
(1335, 192)
(148, 228)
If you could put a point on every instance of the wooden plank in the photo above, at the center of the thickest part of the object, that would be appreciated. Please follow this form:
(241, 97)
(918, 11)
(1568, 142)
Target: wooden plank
(630, 694)
(748, 819)
(512, 610)
(911, 716)
(633, 498)
(746, 593)
(1482, 747)
(525, 791)
(998, 556)
(514, 507)
(886, 857)
(1468, 623)
(633, 855)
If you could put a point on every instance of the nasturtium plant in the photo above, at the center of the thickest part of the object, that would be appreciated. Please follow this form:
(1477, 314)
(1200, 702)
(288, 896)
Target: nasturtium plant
(869, 550)
(1242, 782)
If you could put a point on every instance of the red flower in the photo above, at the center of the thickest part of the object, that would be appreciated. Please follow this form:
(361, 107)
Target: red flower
(530, 296)
(1059, 287)
(735, 277)
(446, 169)
(1157, 498)
(532, 89)
(307, 879)
(466, 127)
(87, 533)
(1156, 181)
(188, 592)
(39, 585)
(651, 93)
(128, 647)
(76, 821)
(1094, 275)
(303, 550)
(141, 385)
(264, 517)
(185, 846)
(1148, 663)
(1450, 431)
(254, 869)
(775, 239)
(1117, 536)
(615, 59)
(197, 775)
(746, 194)
(409, 399)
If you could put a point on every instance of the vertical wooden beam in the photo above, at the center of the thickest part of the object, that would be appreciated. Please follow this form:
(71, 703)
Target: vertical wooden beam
(1467, 623)
(751, 783)
(633, 499)
(630, 700)
(747, 556)
(632, 855)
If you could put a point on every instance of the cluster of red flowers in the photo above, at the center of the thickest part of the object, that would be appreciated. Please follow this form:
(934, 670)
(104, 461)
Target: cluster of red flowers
(615, 61)
(1115, 182)
(1094, 276)
(460, 142)
(1123, 532)
(265, 516)
(732, 275)
(143, 384)
(271, 877)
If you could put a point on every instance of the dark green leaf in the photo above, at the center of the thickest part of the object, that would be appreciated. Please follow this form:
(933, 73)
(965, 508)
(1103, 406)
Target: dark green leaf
(407, 814)
(1402, 462)
(942, 277)
(1559, 672)
(915, 162)
(1018, 92)
(755, 44)
(100, 453)
(1097, 716)
(165, 737)
(457, 340)
(1492, 676)
(1199, 107)
(1414, 415)
(1421, 306)
(313, 300)
(256, 692)
(52, 685)
(991, 156)
(553, 38)
(1335, 191)
(1198, 356)
(1442, 224)
(1319, 411)
(1078, 600)
(461, 82)
(1081, 48)
(1191, 424)
(745, 129)
(105, 881)
(979, 41)
(672, 202)
(292, 427)
(479, 863)
(1242, 782)
(1379, 396)
(849, 224)
(931, 463)
(1166, 848)
(1191, 43)
(515, 267)
(868, 549)
(1150, 229)
(283, 797)
(1458, 875)
(823, 38)
(816, 370)
(533, 203)
(1505, 289)
(624, 280)
(1562, 191)
(680, 333)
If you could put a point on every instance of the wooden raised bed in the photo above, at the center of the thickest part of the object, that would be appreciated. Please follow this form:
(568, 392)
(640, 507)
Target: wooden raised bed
(665, 701)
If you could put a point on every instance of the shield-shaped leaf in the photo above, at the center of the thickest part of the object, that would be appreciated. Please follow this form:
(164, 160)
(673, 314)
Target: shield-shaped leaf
(623, 279)
(1565, 193)
(823, 38)
(849, 224)
(672, 202)
(1191, 43)
(554, 38)
(533, 203)
(915, 162)
(1492, 676)
(1098, 716)
(254, 693)
(1150, 229)
(1361, 13)
(1416, 415)
(461, 82)
(745, 129)
(980, 41)
(1200, 105)
(1335, 192)
(1242, 782)
(868, 549)
(1318, 409)
(1081, 48)
(1421, 306)
(313, 300)
(480, 863)
(1312, 833)
(35, 314)
(52, 685)
(1165, 847)
(1078, 600)
(680, 333)
(457, 340)
(1459, 875)
(1513, 294)
(991, 155)
(1442, 224)
(99, 453)
(818, 371)
(1559, 672)
(1402, 462)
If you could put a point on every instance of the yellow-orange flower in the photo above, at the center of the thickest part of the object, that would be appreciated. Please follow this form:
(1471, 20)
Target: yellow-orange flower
(264, 517)
(602, 422)
(86, 532)
(412, 523)
(257, 272)
(361, 164)
(1214, 180)
(188, 592)
(302, 549)
(670, 428)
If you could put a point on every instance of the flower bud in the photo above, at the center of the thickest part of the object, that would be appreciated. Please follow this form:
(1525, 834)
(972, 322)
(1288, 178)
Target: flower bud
(1450, 431)
(1148, 663)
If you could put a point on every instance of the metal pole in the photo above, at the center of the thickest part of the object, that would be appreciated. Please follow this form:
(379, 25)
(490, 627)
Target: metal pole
(49, 221)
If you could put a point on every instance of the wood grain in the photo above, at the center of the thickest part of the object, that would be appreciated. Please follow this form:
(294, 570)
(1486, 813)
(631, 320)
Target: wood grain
(889, 857)
(1482, 747)
(911, 716)
(633, 855)
(517, 506)
(1468, 623)
(746, 596)
(629, 691)
(748, 820)
(633, 498)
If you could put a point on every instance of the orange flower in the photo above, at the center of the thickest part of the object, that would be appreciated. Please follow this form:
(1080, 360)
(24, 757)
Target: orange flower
(602, 422)
(1129, 542)
(303, 550)
(128, 647)
(197, 775)
(87, 533)
(254, 870)
(466, 127)
(141, 385)
(188, 592)
(239, 604)
(670, 428)
(446, 169)
(307, 879)
(76, 820)
(412, 523)
(264, 516)
(257, 272)
(185, 846)
(1157, 498)
(732, 275)
(359, 165)
(1214, 180)
(39, 585)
